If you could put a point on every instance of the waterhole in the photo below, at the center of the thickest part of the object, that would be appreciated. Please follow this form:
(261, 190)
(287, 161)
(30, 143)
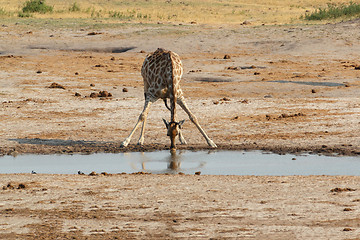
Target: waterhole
(188, 162)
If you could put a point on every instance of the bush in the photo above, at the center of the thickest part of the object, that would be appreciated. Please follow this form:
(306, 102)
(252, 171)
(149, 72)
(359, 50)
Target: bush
(24, 15)
(38, 6)
(333, 11)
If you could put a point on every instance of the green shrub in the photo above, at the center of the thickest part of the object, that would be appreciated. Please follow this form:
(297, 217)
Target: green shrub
(24, 15)
(333, 11)
(39, 6)
(74, 8)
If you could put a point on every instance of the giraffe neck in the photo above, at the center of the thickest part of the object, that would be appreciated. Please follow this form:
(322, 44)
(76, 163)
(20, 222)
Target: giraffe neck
(173, 89)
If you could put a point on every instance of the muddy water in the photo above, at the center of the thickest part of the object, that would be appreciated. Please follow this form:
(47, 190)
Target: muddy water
(214, 163)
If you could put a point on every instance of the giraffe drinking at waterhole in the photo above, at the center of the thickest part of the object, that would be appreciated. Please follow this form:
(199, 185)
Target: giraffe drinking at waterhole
(161, 72)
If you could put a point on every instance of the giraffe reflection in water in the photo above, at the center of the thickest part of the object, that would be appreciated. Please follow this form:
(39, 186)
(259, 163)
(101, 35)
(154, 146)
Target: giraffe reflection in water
(172, 163)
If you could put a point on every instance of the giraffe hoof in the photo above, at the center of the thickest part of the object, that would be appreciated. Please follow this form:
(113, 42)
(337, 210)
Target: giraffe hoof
(212, 144)
(124, 144)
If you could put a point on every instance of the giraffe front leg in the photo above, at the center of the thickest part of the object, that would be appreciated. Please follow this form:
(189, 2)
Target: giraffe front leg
(141, 119)
(181, 138)
(193, 118)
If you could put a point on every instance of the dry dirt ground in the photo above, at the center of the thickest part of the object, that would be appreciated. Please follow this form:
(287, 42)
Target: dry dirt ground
(283, 89)
(178, 207)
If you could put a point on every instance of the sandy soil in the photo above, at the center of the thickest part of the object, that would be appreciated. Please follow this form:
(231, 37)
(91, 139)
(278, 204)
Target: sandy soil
(284, 89)
(178, 207)
(288, 88)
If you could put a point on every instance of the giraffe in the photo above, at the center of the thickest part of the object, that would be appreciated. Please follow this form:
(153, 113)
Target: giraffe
(161, 72)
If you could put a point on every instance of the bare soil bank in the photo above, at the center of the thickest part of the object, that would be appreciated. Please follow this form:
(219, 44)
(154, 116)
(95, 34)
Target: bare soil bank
(178, 207)
(284, 88)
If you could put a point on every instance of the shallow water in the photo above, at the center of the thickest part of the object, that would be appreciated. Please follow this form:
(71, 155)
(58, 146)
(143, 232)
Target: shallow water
(213, 163)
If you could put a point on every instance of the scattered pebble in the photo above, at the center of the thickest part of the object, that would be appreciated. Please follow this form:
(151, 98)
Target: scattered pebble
(56, 85)
(227, 56)
(342, 190)
(197, 173)
(313, 90)
(101, 94)
(93, 33)
(125, 90)
(77, 94)
(93, 173)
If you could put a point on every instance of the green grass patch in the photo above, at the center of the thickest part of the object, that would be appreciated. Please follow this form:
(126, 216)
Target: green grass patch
(36, 6)
(334, 11)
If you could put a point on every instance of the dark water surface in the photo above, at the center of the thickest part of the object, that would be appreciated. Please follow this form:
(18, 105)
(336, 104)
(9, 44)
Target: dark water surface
(213, 163)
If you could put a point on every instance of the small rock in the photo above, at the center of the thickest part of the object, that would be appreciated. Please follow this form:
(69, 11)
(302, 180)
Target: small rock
(93, 173)
(92, 85)
(197, 173)
(357, 67)
(125, 90)
(342, 190)
(76, 73)
(93, 33)
(313, 91)
(142, 51)
(246, 23)
(77, 94)
(112, 58)
(227, 56)
(81, 173)
(347, 209)
(94, 95)
(347, 229)
(104, 94)
(56, 85)
(39, 71)
(21, 186)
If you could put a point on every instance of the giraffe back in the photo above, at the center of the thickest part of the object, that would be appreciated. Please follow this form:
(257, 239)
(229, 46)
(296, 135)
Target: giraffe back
(162, 71)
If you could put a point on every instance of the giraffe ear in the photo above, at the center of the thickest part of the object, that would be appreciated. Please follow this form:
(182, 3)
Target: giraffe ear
(166, 124)
(181, 123)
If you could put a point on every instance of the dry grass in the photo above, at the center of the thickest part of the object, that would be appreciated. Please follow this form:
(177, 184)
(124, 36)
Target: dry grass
(184, 11)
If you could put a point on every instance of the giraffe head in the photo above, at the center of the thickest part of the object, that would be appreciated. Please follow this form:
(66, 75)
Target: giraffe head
(173, 129)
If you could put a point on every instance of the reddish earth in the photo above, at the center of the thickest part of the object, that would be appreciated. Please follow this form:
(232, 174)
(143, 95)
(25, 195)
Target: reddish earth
(278, 88)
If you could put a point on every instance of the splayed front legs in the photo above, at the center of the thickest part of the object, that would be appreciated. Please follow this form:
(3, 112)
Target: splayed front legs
(142, 119)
